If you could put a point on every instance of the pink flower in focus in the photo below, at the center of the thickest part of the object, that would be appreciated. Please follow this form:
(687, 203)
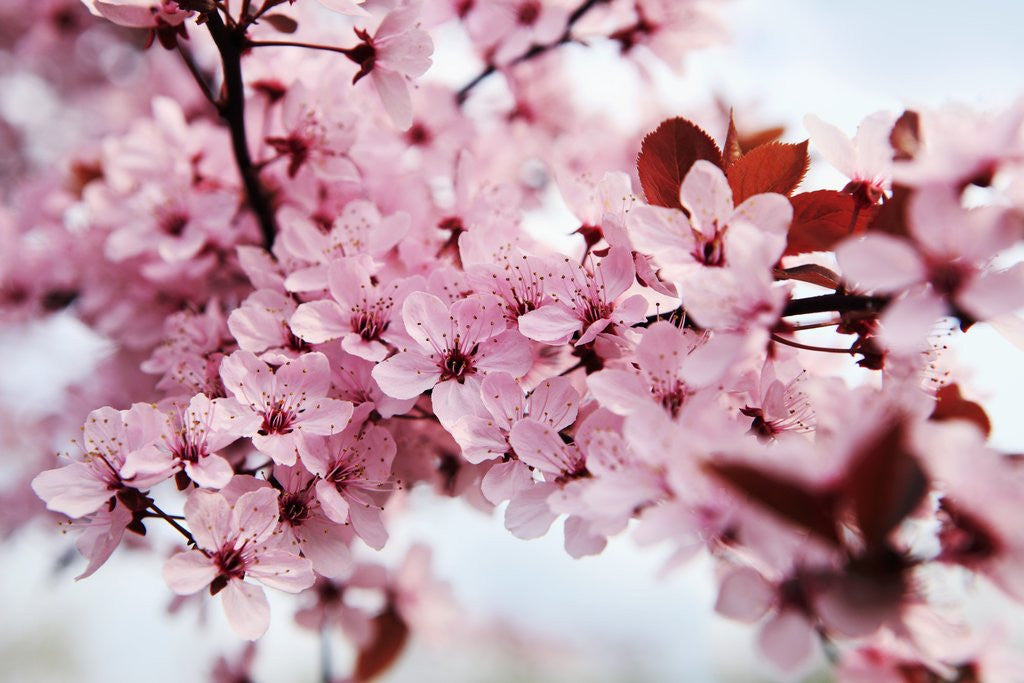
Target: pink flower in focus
(456, 344)
(361, 312)
(585, 301)
(397, 52)
(231, 545)
(353, 471)
(305, 525)
(189, 443)
(287, 402)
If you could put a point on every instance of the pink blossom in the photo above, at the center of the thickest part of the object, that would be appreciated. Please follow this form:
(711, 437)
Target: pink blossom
(282, 405)
(950, 248)
(261, 325)
(139, 13)
(396, 53)
(190, 437)
(586, 301)
(305, 526)
(554, 402)
(361, 313)
(230, 545)
(866, 159)
(456, 344)
(108, 438)
(354, 470)
(671, 365)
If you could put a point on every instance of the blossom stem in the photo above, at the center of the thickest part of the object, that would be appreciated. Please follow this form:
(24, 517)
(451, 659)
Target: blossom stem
(231, 44)
(291, 43)
(841, 303)
(173, 522)
(534, 51)
(798, 345)
(197, 74)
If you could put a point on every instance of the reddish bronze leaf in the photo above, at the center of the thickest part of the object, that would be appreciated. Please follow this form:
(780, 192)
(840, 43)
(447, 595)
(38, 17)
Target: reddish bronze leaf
(821, 219)
(731, 152)
(281, 22)
(390, 634)
(891, 217)
(667, 154)
(757, 138)
(883, 485)
(952, 406)
(905, 137)
(810, 272)
(775, 167)
(811, 510)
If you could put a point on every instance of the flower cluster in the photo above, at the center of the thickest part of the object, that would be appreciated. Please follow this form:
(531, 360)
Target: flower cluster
(322, 294)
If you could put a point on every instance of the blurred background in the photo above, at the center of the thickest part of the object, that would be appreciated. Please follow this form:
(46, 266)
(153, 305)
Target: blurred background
(543, 616)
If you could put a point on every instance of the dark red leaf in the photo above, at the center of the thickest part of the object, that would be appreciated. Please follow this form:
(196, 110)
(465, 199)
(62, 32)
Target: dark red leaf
(812, 510)
(821, 219)
(811, 273)
(666, 156)
(731, 152)
(883, 485)
(775, 167)
(891, 217)
(282, 23)
(390, 634)
(757, 138)
(905, 137)
(952, 406)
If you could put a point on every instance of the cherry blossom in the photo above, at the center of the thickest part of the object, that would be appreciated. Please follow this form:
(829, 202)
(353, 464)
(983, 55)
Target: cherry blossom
(281, 406)
(230, 545)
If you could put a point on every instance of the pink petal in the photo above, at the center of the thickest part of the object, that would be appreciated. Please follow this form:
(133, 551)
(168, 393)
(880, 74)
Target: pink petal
(580, 541)
(879, 262)
(508, 352)
(407, 374)
(213, 471)
(550, 324)
(333, 503)
(504, 399)
(246, 609)
(555, 402)
(209, 518)
(479, 438)
(505, 480)
(320, 321)
(325, 544)
(453, 400)
(255, 515)
(246, 377)
(368, 525)
(394, 95)
(787, 640)
(528, 515)
(833, 144)
(619, 391)
(308, 375)
(770, 212)
(744, 595)
(73, 489)
(324, 417)
(189, 572)
(427, 320)
(282, 570)
(615, 273)
(707, 196)
(658, 231)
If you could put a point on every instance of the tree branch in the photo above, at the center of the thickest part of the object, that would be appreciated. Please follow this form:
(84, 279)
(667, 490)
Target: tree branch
(231, 44)
(534, 50)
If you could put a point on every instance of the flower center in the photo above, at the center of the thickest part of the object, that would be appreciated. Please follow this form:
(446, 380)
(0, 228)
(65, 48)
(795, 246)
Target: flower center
(277, 420)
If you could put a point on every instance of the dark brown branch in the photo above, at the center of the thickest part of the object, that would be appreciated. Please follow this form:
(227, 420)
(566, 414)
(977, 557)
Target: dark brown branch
(842, 303)
(534, 51)
(170, 520)
(198, 75)
(290, 43)
(231, 44)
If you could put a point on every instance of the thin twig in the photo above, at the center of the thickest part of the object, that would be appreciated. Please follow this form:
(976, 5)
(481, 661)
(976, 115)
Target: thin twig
(798, 345)
(534, 50)
(231, 44)
(197, 74)
(173, 522)
(291, 43)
